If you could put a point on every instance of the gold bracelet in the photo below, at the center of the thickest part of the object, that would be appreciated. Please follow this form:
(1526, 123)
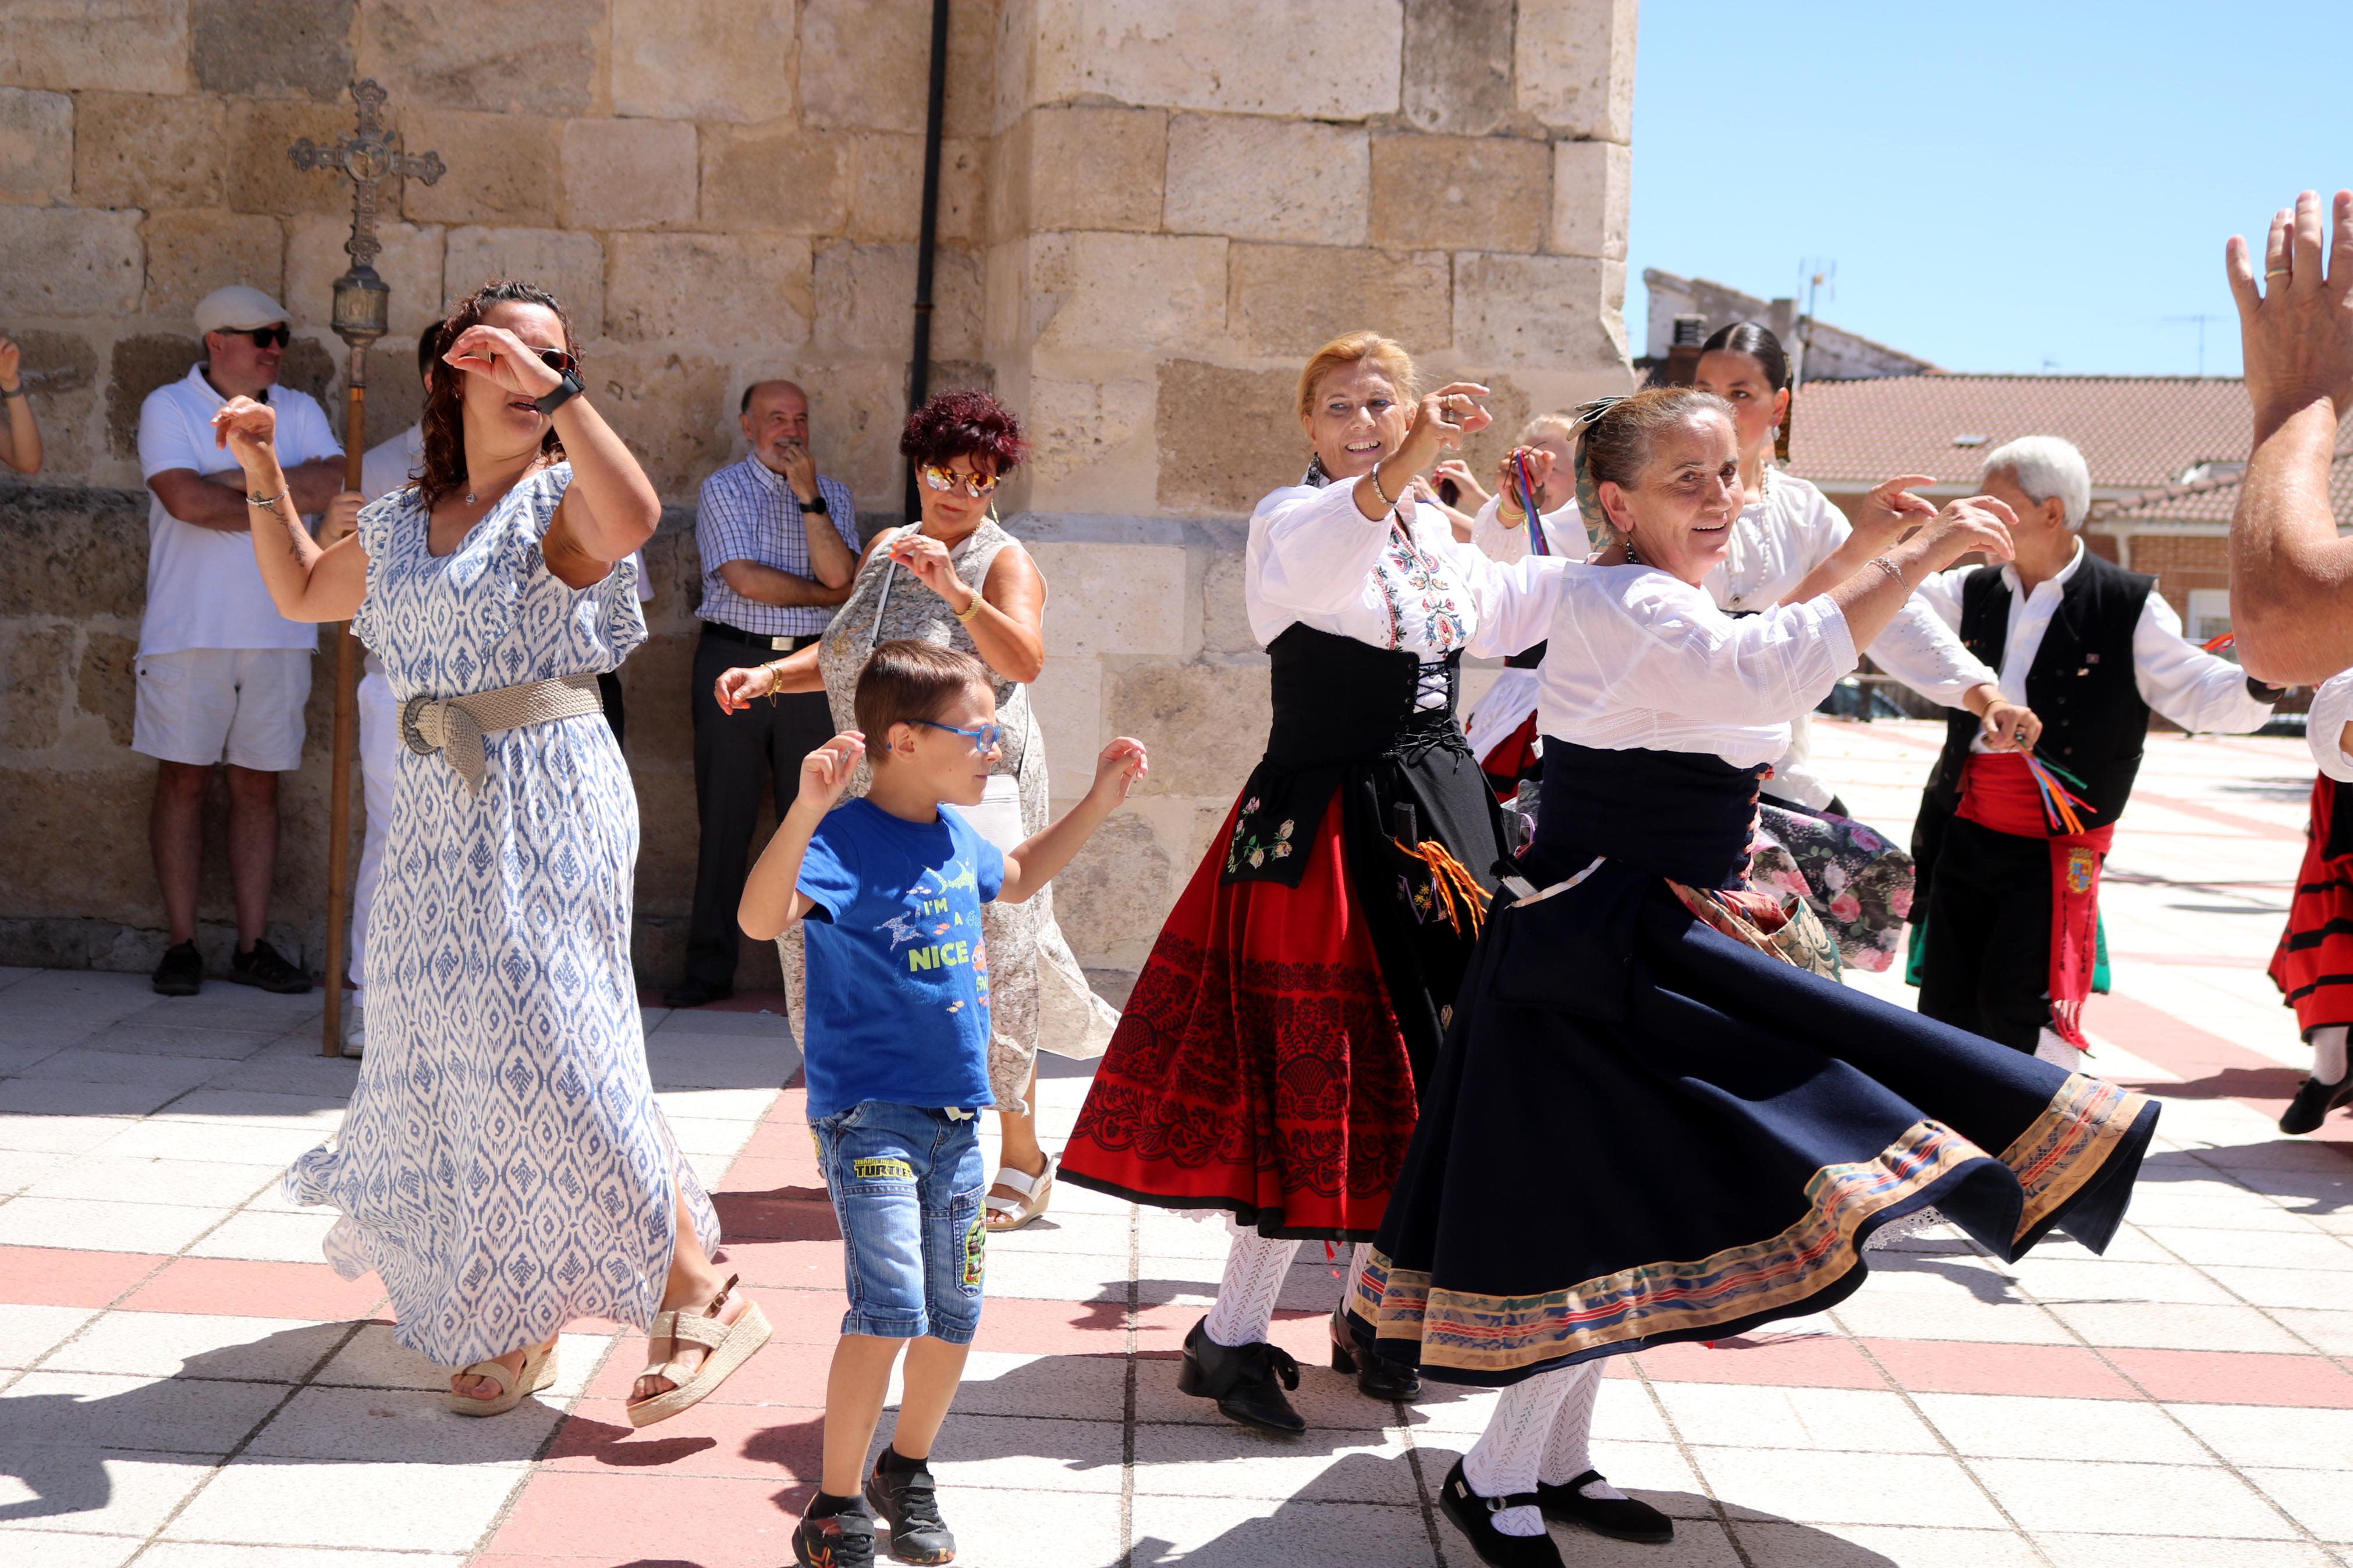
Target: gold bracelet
(775, 671)
(967, 614)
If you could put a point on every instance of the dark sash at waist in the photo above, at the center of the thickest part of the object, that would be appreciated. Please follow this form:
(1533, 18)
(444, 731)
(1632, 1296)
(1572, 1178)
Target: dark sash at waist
(1685, 815)
(1338, 700)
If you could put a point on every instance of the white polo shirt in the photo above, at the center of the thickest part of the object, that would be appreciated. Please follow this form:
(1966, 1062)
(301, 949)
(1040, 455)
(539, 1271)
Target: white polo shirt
(203, 587)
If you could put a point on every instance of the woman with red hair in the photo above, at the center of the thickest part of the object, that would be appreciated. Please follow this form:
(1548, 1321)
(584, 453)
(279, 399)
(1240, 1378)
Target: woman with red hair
(957, 579)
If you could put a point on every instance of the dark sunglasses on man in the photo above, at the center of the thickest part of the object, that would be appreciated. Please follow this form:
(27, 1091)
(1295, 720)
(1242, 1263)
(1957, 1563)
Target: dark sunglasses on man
(263, 337)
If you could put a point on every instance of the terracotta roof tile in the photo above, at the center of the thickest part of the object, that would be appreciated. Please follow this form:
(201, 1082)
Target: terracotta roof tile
(2214, 500)
(2136, 432)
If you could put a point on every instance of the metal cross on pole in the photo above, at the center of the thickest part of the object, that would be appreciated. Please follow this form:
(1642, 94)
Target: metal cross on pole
(362, 312)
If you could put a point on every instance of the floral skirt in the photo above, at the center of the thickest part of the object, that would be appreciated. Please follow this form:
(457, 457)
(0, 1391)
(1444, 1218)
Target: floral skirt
(1855, 880)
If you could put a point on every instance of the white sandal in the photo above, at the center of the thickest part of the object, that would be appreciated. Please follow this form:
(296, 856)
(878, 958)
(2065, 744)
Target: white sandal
(538, 1371)
(1012, 1213)
(730, 1346)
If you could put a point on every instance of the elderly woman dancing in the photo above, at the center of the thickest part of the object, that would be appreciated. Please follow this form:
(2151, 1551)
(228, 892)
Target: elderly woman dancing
(1721, 1126)
(503, 1166)
(1271, 1055)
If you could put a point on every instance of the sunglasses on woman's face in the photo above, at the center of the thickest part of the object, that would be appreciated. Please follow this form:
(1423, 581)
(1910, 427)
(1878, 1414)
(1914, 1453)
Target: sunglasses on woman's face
(973, 485)
(556, 360)
(263, 337)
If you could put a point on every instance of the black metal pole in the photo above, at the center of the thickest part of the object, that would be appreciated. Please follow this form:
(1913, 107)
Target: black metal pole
(919, 374)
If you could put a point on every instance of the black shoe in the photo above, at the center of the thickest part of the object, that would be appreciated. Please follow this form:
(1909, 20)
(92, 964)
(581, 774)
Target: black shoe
(1241, 1379)
(182, 972)
(693, 993)
(2313, 1103)
(1475, 1516)
(836, 1541)
(1619, 1519)
(1376, 1378)
(910, 1504)
(265, 967)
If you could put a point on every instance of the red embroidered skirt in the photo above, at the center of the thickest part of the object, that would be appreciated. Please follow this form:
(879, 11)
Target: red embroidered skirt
(1259, 1067)
(2314, 964)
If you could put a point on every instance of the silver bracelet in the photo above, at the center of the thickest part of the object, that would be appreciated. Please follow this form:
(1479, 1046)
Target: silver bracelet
(1892, 569)
(270, 502)
(1375, 477)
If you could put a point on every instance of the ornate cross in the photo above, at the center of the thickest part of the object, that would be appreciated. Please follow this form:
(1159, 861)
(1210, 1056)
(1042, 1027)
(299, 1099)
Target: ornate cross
(366, 159)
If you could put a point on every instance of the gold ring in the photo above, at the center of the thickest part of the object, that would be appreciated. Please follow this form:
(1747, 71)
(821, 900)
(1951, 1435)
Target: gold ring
(2279, 272)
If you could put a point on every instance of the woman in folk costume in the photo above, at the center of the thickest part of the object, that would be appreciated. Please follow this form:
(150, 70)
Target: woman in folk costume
(2313, 965)
(1721, 1130)
(1271, 1058)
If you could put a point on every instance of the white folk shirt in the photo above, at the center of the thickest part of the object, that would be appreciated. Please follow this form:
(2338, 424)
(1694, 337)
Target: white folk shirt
(2196, 690)
(203, 587)
(2324, 727)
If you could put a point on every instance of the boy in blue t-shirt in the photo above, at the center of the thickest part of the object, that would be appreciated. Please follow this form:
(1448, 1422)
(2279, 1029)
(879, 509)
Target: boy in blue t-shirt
(896, 1037)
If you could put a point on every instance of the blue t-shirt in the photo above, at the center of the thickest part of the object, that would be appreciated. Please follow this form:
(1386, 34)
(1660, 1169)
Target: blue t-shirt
(898, 977)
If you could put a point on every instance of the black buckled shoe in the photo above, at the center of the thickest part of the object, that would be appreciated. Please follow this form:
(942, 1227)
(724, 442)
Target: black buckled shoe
(1475, 1516)
(1376, 1378)
(836, 1541)
(1619, 1518)
(2313, 1103)
(182, 972)
(1242, 1379)
(909, 1502)
(265, 966)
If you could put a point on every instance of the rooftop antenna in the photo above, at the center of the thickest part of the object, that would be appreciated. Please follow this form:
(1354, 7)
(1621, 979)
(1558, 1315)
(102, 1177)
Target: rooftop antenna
(2199, 321)
(1816, 276)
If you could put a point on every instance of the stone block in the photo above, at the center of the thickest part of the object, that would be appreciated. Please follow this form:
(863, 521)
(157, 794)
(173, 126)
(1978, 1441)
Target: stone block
(262, 179)
(629, 174)
(1550, 312)
(137, 366)
(36, 145)
(1067, 696)
(274, 48)
(1277, 180)
(1113, 897)
(886, 190)
(1572, 65)
(1205, 724)
(866, 300)
(33, 696)
(1127, 292)
(190, 254)
(411, 262)
(76, 553)
(1094, 168)
(1225, 609)
(102, 686)
(857, 407)
(569, 266)
(1458, 65)
(1234, 57)
(865, 64)
(703, 59)
(396, 396)
(107, 46)
(66, 261)
(527, 56)
(77, 849)
(1591, 188)
(1293, 298)
(1461, 192)
(60, 371)
(502, 168)
(775, 177)
(1086, 436)
(718, 291)
(1227, 437)
(1124, 598)
(672, 407)
(314, 365)
(134, 150)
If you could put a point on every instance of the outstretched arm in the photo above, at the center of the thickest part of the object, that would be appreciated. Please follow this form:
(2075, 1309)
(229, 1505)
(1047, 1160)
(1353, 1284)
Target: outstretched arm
(1040, 858)
(305, 581)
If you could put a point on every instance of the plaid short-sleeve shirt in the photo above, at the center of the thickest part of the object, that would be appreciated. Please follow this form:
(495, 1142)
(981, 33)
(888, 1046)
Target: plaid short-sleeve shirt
(749, 513)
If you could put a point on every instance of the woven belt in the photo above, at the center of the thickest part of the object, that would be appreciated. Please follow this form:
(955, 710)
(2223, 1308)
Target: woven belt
(455, 726)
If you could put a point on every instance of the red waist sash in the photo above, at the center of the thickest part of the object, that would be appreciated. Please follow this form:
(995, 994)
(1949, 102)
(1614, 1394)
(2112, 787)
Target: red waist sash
(1998, 791)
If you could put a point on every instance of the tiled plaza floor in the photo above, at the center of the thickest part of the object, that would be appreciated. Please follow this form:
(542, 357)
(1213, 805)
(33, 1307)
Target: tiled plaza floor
(187, 1386)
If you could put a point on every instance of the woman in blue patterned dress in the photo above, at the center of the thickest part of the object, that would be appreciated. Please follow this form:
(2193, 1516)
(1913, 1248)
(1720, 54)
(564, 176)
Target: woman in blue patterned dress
(503, 1167)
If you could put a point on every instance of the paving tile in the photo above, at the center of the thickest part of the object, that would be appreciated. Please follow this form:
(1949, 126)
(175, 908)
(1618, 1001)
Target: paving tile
(780, 1443)
(444, 1508)
(2098, 1497)
(2174, 1326)
(207, 1554)
(97, 1410)
(88, 1224)
(72, 1097)
(1192, 1460)
(373, 1359)
(2257, 1434)
(1238, 1533)
(711, 1521)
(194, 1345)
(2065, 1551)
(1327, 1400)
(2058, 1282)
(400, 1427)
(1818, 1488)
(2062, 1371)
(234, 1144)
(1816, 1362)
(196, 1182)
(60, 1135)
(2221, 1378)
(100, 1061)
(29, 1334)
(79, 1489)
(258, 1108)
(20, 1169)
(2328, 1289)
(54, 1549)
(2253, 1248)
(2317, 1499)
(717, 1104)
(1878, 1421)
(1059, 1276)
(241, 1286)
(1006, 1454)
(56, 1277)
(182, 1041)
(998, 1383)
(1999, 1425)
(1776, 1544)
(1885, 1315)
(38, 1036)
(1079, 1530)
(270, 1236)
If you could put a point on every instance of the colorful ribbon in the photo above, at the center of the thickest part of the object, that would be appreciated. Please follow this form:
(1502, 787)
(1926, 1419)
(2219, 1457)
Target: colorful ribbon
(2061, 806)
(1523, 496)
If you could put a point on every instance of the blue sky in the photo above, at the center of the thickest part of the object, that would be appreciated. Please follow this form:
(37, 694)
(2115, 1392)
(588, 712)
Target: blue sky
(2003, 187)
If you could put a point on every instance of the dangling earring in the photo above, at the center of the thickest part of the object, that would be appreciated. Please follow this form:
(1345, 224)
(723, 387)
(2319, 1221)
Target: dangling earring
(1632, 559)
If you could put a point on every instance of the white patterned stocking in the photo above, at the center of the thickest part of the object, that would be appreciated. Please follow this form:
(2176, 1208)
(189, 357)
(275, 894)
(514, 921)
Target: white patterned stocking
(1243, 1312)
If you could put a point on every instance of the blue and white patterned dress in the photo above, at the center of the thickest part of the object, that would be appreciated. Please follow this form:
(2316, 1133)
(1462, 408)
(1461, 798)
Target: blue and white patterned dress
(502, 1167)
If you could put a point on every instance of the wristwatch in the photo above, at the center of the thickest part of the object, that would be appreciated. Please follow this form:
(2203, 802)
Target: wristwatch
(566, 391)
(817, 505)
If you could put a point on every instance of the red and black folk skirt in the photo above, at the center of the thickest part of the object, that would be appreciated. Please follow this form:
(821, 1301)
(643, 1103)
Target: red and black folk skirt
(1270, 1058)
(2314, 963)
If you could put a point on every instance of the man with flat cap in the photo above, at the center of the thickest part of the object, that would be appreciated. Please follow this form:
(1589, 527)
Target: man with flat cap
(222, 676)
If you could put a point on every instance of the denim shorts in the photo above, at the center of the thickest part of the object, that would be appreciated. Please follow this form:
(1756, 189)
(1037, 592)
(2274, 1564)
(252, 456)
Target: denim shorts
(906, 1185)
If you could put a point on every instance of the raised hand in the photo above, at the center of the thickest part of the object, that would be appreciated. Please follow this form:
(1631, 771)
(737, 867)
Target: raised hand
(505, 359)
(1891, 509)
(927, 559)
(248, 431)
(1973, 524)
(800, 472)
(1473, 495)
(826, 773)
(1123, 762)
(10, 362)
(1540, 465)
(2296, 323)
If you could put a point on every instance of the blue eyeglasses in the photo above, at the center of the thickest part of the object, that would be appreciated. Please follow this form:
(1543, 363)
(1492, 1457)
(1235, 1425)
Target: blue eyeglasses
(984, 739)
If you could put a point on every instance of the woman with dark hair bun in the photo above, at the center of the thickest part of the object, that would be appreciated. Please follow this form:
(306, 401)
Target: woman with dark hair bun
(955, 578)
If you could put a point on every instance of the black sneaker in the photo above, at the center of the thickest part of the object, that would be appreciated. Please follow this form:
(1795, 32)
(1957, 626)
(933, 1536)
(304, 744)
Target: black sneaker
(836, 1541)
(265, 967)
(909, 1503)
(693, 993)
(182, 972)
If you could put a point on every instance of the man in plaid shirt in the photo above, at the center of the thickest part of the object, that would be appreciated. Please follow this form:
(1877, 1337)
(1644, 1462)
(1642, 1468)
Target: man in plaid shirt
(779, 543)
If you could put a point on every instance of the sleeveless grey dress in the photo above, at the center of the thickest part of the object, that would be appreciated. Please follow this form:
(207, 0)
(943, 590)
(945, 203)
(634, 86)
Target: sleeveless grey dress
(1038, 994)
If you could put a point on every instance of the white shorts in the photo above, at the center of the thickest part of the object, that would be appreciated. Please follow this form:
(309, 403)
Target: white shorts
(238, 706)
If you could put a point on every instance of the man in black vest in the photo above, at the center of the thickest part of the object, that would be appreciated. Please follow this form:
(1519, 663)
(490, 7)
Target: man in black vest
(2009, 883)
